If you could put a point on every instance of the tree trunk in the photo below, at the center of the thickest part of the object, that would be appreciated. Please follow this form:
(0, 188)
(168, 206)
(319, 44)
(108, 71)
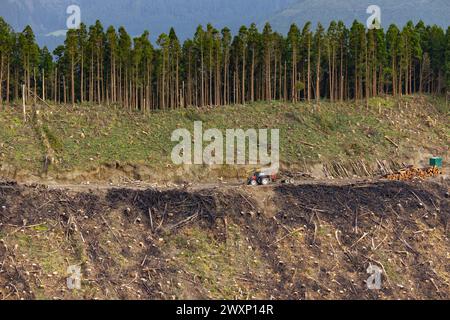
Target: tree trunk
(202, 100)
(318, 76)
(294, 75)
(82, 78)
(64, 87)
(35, 85)
(243, 76)
(309, 70)
(43, 84)
(55, 87)
(8, 82)
(252, 77)
(72, 72)
(1, 81)
(342, 75)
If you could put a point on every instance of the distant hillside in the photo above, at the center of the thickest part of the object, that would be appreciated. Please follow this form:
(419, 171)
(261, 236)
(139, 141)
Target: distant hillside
(157, 16)
(46, 16)
(399, 12)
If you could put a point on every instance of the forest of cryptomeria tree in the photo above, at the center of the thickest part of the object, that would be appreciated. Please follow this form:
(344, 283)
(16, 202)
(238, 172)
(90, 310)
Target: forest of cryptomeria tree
(216, 68)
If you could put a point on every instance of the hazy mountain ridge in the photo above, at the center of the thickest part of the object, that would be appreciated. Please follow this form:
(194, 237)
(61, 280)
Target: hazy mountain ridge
(157, 16)
(46, 16)
(398, 12)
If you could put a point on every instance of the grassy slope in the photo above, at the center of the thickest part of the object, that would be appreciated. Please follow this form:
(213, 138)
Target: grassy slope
(89, 136)
(18, 145)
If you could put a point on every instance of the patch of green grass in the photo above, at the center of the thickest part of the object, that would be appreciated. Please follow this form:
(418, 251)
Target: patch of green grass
(41, 228)
(54, 141)
(217, 264)
(323, 230)
(50, 259)
(392, 271)
(18, 143)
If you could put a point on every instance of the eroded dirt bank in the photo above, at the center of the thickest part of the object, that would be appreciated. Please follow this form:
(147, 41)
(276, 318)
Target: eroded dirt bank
(309, 241)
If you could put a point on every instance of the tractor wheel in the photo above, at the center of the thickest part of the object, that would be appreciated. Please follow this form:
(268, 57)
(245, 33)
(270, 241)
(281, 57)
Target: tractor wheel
(265, 181)
(253, 183)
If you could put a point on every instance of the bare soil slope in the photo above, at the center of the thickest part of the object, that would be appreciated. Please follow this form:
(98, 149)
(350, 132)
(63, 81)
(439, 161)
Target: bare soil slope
(308, 241)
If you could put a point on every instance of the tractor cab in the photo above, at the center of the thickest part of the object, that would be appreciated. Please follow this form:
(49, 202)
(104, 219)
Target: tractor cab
(261, 178)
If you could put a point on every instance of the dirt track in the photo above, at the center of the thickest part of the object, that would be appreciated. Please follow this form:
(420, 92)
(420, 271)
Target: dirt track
(305, 241)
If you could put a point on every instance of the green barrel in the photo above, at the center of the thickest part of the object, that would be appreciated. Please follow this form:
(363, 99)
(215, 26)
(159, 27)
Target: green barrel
(436, 162)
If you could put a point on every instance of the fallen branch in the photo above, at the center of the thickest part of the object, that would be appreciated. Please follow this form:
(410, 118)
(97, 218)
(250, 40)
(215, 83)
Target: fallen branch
(309, 144)
(357, 241)
(248, 201)
(183, 222)
(151, 219)
(284, 237)
(110, 229)
(391, 141)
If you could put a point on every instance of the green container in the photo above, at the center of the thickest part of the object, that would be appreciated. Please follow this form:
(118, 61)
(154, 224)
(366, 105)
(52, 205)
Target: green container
(436, 162)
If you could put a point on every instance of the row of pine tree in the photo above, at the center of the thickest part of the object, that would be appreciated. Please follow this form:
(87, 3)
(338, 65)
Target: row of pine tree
(216, 68)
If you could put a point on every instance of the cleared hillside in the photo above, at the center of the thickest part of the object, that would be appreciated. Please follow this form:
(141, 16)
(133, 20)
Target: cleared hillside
(315, 239)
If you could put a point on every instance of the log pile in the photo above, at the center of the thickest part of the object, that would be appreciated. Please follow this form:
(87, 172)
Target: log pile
(411, 173)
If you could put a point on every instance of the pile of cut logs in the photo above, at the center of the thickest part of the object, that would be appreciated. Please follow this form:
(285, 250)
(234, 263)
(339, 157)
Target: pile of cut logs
(411, 173)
